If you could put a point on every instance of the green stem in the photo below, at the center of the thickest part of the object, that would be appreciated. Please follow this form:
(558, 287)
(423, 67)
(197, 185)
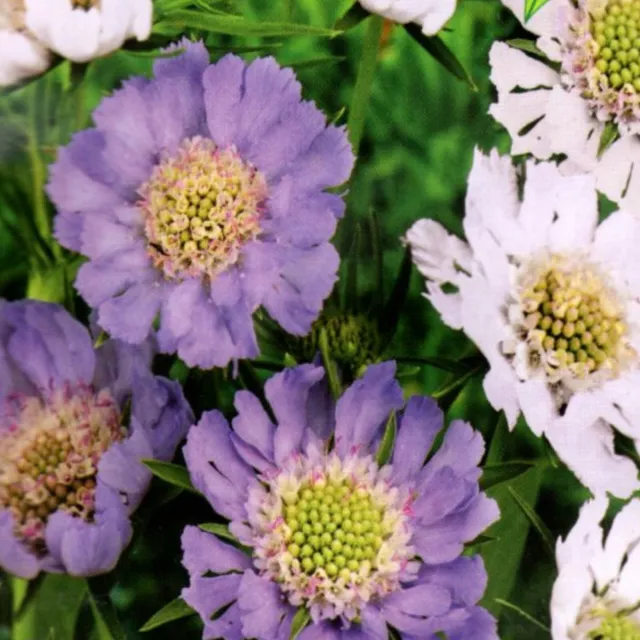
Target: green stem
(289, 6)
(329, 366)
(23, 625)
(362, 91)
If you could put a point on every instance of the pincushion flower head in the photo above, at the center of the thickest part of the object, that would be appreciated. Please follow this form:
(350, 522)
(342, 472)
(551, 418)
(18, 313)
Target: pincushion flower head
(431, 15)
(551, 298)
(198, 197)
(70, 470)
(587, 106)
(597, 592)
(357, 541)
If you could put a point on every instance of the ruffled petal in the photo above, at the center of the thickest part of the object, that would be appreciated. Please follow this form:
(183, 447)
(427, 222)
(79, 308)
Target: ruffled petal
(364, 408)
(90, 548)
(215, 467)
(288, 394)
(260, 601)
(252, 423)
(14, 556)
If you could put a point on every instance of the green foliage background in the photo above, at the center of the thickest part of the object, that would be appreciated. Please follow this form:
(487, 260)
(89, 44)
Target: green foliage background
(421, 129)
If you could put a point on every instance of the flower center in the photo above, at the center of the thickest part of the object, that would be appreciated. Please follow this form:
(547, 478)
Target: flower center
(603, 58)
(84, 4)
(354, 341)
(49, 455)
(572, 319)
(614, 29)
(615, 627)
(201, 206)
(334, 534)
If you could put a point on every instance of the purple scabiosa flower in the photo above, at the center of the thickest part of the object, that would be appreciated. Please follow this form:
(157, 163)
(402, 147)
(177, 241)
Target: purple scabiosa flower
(359, 544)
(70, 471)
(200, 196)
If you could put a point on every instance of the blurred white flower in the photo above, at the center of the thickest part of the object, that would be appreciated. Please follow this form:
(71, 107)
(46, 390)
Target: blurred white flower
(552, 299)
(81, 30)
(431, 15)
(21, 56)
(562, 106)
(597, 592)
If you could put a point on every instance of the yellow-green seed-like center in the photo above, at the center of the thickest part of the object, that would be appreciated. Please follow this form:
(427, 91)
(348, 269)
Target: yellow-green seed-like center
(201, 206)
(336, 527)
(572, 316)
(616, 31)
(616, 628)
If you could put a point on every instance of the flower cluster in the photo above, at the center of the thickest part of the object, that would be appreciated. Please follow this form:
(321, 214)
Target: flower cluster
(359, 538)
(75, 423)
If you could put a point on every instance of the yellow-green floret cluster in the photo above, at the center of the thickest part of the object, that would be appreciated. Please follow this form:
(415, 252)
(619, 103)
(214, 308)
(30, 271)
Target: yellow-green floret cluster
(616, 30)
(332, 532)
(573, 320)
(335, 527)
(201, 206)
(616, 627)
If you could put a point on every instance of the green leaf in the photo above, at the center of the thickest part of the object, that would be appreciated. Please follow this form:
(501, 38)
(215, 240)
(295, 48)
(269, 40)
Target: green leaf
(389, 437)
(352, 17)
(528, 46)
(446, 364)
(351, 284)
(524, 614)
(502, 559)
(171, 473)
(175, 610)
(53, 611)
(610, 134)
(534, 519)
(531, 7)
(495, 474)
(300, 621)
(317, 61)
(437, 49)
(108, 625)
(329, 365)
(238, 26)
(220, 530)
(449, 391)
(390, 315)
(364, 80)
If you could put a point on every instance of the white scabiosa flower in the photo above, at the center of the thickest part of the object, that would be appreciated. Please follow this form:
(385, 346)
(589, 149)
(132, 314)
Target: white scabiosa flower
(589, 86)
(21, 55)
(552, 299)
(597, 592)
(431, 15)
(81, 30)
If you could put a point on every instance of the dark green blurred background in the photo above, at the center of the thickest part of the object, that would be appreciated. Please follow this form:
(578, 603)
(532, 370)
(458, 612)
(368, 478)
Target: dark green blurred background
(421, 129)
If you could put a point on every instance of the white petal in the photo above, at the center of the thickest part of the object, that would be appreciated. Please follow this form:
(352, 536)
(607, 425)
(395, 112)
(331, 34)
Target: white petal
(537, 405)
(500, 385)
(448, 305)
(143, 17)
(436, 16)
(511, 68)
(615, 247)
(618, 163)
(624, 534)
(438, 254)
(585, 444)
(490, 223)
(573, 555)
(571, 128)
(621, 404)
(558, 212)
(546, 22)
(20, 58)
(116, 19)
(73, 33)
(628, 586)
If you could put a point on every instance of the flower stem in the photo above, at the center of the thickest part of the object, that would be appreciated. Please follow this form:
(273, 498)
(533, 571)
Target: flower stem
(364, 80)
